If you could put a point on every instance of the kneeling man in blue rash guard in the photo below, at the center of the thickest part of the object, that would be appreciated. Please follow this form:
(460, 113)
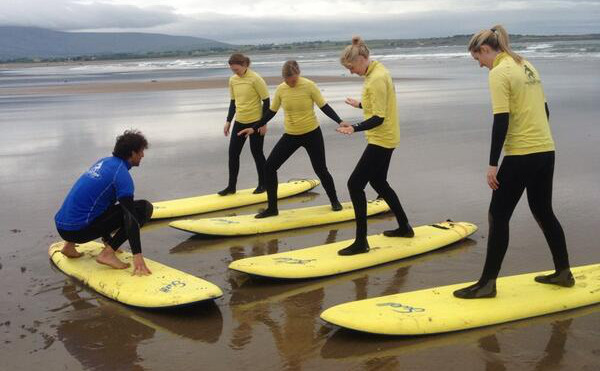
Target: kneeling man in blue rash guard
(90, 210)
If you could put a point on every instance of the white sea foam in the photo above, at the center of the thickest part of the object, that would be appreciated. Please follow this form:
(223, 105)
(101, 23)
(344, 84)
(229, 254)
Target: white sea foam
(539, 46)
(566, 49)
(421, 56)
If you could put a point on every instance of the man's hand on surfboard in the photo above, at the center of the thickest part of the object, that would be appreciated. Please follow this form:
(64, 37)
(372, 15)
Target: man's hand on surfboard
(491, 177)
(139, 266)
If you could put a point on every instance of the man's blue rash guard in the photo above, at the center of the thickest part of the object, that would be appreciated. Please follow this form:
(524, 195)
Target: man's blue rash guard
(107, 181)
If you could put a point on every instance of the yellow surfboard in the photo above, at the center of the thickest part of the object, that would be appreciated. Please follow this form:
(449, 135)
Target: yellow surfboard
(244, 225)
(324, 260)
(436, 310)
(165, 287)
(214, 202)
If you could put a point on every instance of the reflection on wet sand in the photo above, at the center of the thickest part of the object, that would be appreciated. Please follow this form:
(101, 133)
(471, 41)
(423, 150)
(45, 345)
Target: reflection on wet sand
(300, 312)
(298, 335)
(491, 346)
(555, 349)
(100, 338)
(347, 344)
(106, 336)
(298, 332)
(202, 322)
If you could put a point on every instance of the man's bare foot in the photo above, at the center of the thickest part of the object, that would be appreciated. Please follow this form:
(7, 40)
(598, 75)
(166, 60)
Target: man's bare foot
(108, 257)
(117, 251)
(69, 250)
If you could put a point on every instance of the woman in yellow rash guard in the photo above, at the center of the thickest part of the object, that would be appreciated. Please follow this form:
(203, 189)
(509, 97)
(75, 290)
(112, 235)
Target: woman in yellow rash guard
(383, 135)
(298, 96)
(521, 125)
(247, 91)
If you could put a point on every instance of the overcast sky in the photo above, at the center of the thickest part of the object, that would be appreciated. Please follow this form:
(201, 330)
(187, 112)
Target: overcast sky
(263, 21)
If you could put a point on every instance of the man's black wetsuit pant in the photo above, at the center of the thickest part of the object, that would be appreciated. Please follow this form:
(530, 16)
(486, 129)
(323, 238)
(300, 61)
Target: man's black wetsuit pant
(112, 220)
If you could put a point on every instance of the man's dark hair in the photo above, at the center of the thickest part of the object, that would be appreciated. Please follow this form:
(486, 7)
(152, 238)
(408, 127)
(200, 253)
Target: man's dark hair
(129, 141)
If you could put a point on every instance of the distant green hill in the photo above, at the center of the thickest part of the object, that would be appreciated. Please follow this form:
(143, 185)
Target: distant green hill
(406, 43)
(27, 43)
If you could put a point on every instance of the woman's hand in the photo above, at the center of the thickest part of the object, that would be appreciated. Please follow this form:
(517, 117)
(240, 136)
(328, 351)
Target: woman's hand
(492, 180)
(345, 124)
(226, 128)
(246, 132)
(353, 102)
(262, 130)
(345, 130)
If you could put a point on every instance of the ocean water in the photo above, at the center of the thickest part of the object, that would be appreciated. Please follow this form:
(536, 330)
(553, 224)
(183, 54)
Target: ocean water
(269, 64)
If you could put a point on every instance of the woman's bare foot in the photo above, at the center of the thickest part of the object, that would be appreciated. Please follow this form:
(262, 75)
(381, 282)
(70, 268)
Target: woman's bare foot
(107, 257)
(69, 250)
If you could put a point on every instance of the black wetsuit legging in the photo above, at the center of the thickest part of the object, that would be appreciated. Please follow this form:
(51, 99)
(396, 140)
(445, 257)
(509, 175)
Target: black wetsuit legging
(286, 146)
(114, 219)
(534, 173)
(373, 168)
(236, 144)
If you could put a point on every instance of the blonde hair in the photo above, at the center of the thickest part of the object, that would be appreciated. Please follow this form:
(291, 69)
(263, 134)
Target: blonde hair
(351, 52)
(289, 69)
(496, 38)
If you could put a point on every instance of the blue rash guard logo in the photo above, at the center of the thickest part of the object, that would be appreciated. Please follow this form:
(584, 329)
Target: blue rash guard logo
(401, 308)
(168, 287)
(293, 261)
(94, 171)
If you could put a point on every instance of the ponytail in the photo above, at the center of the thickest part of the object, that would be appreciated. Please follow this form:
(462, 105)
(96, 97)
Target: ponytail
(240, 59)
(290, 68)
(496, 38)
(351, 52)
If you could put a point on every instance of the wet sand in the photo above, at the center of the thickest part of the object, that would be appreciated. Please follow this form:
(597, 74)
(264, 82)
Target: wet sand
(151, 85)
(50, 321)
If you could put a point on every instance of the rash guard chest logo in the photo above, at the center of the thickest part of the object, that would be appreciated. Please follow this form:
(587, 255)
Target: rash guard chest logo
(94, 171)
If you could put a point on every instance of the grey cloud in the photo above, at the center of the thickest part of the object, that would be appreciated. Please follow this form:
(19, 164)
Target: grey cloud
(581, 17)
(67, 15)
(432, 24)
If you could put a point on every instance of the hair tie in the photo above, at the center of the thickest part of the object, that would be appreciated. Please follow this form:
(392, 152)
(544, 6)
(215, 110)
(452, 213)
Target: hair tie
(493, 30)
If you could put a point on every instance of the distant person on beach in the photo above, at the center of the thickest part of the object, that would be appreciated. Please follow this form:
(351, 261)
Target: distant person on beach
(90, 210)
(297, 95)
(249, 103)
(383, 135)
(520, 125)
